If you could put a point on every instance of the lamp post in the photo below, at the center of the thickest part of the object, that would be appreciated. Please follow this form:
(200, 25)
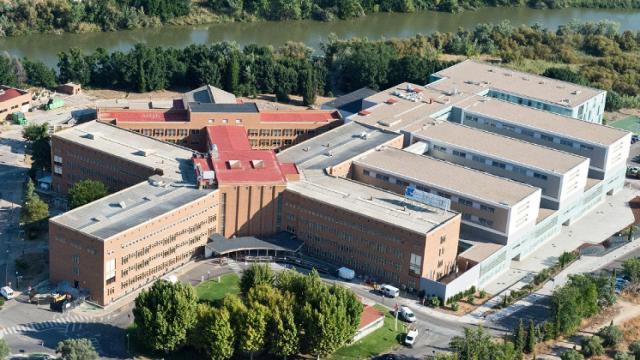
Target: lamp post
(6, 269)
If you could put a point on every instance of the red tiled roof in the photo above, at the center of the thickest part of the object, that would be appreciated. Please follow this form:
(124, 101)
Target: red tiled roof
(289, 168)
(634, 204)
(368, 316)
(9, 94)
(235, 161)
(228, 137)
(144, 115)
(299, 116)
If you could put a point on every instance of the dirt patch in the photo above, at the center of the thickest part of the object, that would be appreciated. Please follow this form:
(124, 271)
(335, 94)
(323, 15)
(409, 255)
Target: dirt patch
(483, 57)
(612, 116)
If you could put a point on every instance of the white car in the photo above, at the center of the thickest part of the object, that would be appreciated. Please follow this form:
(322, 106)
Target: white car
(6, 292)
(406, 314)
(410, 338)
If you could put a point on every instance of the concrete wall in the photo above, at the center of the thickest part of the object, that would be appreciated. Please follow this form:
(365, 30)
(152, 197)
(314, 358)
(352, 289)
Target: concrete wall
(444, 291)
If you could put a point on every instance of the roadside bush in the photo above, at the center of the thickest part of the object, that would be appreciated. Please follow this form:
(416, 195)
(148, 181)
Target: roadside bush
(455, 306)
(483, 294)
(434, 301)
(470, 298)
(634, 349)
(592, 346)
(1, 302)
(611, 335)
(571, 355)
(621, 355)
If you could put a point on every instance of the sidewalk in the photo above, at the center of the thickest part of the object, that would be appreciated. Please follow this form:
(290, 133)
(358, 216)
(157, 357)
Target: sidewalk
(585, 264)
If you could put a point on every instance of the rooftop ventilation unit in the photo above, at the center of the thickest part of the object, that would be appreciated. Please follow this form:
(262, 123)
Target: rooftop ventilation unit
(306, 148)
(576, 92)
(364, 135)
(257, 164)
(122, 205)
(90, 136)
(409, 88)
(329, 153)
(156, 180)
(234, 164)
(146, 152)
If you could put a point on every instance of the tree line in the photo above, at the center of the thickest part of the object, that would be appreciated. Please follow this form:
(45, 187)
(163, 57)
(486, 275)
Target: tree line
(283, 315)
(21, 17)
(594, 54)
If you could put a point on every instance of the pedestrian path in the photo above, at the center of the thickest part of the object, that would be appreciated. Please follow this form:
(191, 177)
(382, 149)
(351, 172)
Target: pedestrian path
(233, 265)
(70, 323)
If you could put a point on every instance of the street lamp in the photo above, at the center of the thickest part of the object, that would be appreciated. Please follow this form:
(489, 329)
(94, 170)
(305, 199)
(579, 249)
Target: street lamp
(128, 351)
(6, 268)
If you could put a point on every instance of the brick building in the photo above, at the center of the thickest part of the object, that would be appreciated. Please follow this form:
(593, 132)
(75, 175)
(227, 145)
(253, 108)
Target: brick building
(12, 100)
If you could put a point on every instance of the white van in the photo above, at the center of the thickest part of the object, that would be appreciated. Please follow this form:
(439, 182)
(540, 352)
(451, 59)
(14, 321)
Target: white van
(389, 291)
(6, 292)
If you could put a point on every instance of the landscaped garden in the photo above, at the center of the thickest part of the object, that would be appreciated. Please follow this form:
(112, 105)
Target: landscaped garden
(212, 290)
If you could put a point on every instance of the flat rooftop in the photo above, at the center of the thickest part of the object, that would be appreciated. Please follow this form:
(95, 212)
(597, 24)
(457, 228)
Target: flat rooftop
(474, 76)
(336, 146)
(223, 108)
(447, 176)
(128, 208)
(371, 202)
(500, 147)
(565, 126)
(174, 161)
(479, 251)
(309, 116)
(404, 105)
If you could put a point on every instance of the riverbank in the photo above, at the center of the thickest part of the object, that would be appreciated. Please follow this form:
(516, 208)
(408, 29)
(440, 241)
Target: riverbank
(45, 47)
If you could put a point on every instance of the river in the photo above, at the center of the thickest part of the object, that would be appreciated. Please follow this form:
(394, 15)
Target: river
(390, 25)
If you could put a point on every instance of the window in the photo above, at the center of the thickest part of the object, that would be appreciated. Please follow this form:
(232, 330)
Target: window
(566, 142)
(459, 153)
(238, 121)
(526, 132)
(415, 265)
(546, 137)
(195, 131)
(402, 183)
(487, 208)
(439, 148)
(465, 202)
(476, 158)
(382, 177)
(225, 121)
(498, 164)
(444, 195)
(443, 238)
(540, 176)
(366, 172)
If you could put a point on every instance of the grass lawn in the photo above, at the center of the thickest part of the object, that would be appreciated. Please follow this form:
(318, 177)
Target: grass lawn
(213, 291)
(380, 341)
(630, 123)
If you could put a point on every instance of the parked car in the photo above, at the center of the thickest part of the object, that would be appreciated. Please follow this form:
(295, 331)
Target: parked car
(406, 314)
(410, 338)
(635, 138)
(389, 291)
(6, 292)
(386, 357)
(633, 171)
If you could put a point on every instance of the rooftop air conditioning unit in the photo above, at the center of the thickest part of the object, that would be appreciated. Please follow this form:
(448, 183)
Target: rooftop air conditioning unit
(364, 135)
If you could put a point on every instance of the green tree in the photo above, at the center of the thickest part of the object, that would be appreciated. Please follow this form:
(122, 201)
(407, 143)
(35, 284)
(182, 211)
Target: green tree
(530, 346)
(86, 191)
(232, 74)
(4, 348)
(252, 331)
(7, 73)
(285, 341)
(634, 348)
(571, 354)
(631, 269)
(308, 87)
(39, 74)
(164, 313)
(573, 302)
(35, 132)
(591, 346)
(257, 274)
(519, 336)
(76, 349)
(72, 66)
(213, 332)
(611, 335)
(33, 211)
